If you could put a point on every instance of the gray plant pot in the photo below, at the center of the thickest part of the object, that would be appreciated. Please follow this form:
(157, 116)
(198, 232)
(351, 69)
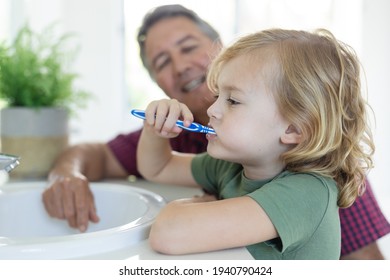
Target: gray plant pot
(38, 136)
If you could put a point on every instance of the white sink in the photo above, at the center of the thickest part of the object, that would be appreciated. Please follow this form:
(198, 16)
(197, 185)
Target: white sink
(27, 232)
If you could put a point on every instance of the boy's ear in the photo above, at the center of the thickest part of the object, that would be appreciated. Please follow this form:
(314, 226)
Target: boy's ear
(292, 135)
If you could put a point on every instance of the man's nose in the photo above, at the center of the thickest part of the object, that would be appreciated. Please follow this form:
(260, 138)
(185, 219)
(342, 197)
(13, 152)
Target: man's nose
(181, 64)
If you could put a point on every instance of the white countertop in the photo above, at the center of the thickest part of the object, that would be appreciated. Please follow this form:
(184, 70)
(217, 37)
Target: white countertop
(142, 251)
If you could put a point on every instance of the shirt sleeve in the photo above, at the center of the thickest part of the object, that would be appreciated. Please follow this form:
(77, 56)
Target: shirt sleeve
(124, 148)
(362, 223)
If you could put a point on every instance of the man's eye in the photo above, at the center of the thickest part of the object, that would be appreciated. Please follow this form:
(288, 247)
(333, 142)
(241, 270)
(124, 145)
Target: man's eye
(189, 49)
(161, 64)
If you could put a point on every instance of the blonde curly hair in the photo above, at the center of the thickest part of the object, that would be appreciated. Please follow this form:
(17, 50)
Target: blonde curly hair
(317, 88)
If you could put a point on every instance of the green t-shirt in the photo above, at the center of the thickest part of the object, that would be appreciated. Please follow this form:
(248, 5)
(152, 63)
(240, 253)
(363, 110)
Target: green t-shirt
(302, 207)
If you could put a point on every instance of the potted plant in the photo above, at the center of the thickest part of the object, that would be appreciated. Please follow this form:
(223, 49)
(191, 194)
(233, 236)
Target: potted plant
(38, 96)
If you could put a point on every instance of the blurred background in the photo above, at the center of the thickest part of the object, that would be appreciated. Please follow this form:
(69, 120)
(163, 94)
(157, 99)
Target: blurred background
(110, 68)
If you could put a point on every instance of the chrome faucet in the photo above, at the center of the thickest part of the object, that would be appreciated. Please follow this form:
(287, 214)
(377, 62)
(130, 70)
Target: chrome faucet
(8, 162)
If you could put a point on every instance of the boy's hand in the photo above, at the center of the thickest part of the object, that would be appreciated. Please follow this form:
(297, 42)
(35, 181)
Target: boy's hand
(163, 114)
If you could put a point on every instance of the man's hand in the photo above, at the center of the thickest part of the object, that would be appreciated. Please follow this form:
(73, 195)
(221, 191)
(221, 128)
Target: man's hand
(70, 198)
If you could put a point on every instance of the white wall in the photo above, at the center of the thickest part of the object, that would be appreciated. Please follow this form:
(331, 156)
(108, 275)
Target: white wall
(376, 61)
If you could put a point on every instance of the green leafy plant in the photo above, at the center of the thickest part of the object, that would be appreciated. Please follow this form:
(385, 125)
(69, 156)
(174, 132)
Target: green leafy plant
(33, 71)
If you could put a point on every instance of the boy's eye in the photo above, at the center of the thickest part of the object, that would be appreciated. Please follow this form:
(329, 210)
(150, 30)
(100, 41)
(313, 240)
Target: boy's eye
(232, 101)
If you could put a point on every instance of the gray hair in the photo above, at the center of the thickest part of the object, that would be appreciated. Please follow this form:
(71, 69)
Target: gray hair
(171, 11)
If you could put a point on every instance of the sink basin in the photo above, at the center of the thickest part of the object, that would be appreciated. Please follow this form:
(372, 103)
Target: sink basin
(27, 232)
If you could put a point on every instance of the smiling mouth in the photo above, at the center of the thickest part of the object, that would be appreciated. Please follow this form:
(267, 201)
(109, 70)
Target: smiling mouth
(193, 84)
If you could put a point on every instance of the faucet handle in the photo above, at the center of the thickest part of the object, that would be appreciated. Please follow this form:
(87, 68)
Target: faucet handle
(8, 162)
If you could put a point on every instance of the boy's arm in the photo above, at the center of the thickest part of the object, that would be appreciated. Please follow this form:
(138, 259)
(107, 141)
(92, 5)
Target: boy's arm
(158, 163)
(193, 226)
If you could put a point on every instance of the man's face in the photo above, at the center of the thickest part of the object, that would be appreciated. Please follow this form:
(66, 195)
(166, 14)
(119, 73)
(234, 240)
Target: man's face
(179, 54)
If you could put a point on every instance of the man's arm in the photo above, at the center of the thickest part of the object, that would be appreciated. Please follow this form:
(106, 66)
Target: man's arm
(69, 196)
(93, 160)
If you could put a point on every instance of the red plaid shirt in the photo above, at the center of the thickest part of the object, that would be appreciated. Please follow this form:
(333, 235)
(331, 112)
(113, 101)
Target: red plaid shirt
(361, 224)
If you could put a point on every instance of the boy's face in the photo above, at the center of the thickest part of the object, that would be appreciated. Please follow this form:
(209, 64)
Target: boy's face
(179, 55)
(246, 118)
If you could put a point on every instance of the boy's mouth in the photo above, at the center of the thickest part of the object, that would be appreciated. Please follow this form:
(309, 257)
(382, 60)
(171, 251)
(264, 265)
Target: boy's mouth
(210, 136)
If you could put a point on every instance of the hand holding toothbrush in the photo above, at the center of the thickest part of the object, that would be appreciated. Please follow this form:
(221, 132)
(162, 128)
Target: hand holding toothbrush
(164, 116)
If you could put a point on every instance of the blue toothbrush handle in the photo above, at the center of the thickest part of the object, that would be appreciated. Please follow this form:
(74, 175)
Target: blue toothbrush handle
(194, 127)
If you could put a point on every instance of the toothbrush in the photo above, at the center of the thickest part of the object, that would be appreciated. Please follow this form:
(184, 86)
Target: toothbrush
(194, 127)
